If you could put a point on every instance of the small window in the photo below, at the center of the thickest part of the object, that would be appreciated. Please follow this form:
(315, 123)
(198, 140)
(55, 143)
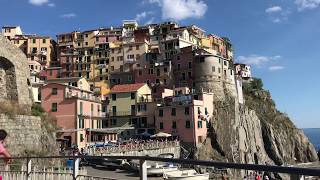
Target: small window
(137, 47)
(133, 95)
(178, 66)
(161, 125)
(173, 111)
(160, 112)
(225, 63)
(86, 43)
(114, 97)
(54, 107)
(81, 138)
(54, 91)
(81, 123)
(199, 124)
(213, 69)
(114, 122)
(186, 110)
(44, 41)
(174, 125)
(188, 124)
(33, 41)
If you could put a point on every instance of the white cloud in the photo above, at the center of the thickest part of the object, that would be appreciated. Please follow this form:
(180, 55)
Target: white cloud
(68, 15)
(276, 20)
(256, 59)
(181, 9)
(273, 9)
(150, 21)
(307, 4)
(275, 68)
(141, 16)
(38, 2)
(51, 4)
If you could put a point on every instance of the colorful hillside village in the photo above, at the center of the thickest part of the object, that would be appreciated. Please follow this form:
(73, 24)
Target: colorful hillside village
(116, 83)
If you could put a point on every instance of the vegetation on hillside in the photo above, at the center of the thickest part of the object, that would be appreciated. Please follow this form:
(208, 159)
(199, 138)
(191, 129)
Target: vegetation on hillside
(259, 99)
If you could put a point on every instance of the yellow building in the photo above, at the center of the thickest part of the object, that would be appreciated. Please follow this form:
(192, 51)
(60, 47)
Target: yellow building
(131, 108)
(42, 50)
(38, 49)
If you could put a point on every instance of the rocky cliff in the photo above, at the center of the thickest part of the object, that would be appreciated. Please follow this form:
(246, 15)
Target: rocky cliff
(254, 132)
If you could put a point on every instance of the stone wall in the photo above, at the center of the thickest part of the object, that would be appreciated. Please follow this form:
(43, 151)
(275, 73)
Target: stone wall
(25, 134)
(14, 73)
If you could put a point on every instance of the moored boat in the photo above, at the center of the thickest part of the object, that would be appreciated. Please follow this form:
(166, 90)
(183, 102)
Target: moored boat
(189, 174)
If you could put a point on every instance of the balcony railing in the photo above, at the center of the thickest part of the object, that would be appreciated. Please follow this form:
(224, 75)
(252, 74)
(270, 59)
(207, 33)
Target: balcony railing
(122, 113)
(82, 96)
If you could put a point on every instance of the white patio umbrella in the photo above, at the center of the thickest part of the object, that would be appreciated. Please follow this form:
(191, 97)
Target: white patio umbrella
(161, 134)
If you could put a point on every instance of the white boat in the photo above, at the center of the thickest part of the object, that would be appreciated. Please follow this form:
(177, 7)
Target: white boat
(189, 174)
(155, 168)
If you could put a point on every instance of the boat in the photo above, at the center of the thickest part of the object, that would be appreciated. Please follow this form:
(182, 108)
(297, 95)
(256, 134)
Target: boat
(189, 174)
(155, 168)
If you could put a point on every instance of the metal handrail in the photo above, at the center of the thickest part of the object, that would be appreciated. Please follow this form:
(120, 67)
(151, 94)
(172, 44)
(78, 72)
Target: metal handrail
(143, 159)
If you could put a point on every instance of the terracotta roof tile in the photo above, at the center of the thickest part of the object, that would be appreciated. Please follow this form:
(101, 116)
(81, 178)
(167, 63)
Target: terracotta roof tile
(126, 87)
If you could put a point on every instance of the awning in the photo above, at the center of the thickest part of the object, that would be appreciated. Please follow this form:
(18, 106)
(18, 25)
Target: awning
(161, 134)
(110, 130)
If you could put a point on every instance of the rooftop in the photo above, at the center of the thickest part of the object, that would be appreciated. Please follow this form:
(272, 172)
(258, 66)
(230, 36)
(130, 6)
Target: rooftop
(126, 87)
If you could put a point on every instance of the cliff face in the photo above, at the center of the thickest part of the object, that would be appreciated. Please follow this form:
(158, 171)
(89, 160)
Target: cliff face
(254, 132)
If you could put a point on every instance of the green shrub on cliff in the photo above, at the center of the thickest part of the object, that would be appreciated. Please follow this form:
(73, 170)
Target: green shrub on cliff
(37, 110)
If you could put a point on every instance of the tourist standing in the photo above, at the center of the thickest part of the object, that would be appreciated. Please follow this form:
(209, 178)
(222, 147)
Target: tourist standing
(3, 150)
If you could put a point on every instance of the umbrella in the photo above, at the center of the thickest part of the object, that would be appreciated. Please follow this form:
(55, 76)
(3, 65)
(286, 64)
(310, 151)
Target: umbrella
(146, 134)
(161, 134)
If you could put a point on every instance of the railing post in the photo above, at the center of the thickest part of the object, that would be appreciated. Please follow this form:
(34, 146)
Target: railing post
(143, 169)
(75, 170)
(29, 168)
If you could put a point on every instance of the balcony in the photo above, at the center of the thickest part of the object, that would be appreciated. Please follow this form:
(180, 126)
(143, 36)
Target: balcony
(122, 113)
(83, 96)
(131, 61)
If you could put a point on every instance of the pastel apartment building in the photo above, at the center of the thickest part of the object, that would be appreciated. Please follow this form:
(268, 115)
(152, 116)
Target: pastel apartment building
(185, 115)
(40, 50)
(131, 109)
(77, 110)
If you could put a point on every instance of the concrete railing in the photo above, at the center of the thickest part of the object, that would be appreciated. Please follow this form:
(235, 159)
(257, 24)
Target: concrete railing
(137, 147)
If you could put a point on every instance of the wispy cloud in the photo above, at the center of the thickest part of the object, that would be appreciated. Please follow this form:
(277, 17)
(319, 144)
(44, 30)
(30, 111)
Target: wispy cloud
(150, 21)
(38, 2)
(181, 9)
(307, 4)
(256, 60)
(273, 9)
(68, 15)
(275, 68)
(143, 15)
(51, 4)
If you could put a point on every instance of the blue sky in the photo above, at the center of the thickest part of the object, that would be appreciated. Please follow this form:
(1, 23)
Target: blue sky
(279, 38)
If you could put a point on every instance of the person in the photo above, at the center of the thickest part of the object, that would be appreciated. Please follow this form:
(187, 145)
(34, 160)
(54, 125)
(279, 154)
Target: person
(3, 150)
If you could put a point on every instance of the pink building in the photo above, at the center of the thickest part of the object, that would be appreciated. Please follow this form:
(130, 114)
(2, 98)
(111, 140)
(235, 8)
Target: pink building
(51, 73)
(186, 117)
(78, 112)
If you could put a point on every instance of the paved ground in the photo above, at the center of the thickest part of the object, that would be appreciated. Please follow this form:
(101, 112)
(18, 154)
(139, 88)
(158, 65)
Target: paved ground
(116, 174)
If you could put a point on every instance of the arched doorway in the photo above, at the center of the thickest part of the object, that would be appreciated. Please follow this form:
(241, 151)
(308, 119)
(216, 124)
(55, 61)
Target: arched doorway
(8, 83)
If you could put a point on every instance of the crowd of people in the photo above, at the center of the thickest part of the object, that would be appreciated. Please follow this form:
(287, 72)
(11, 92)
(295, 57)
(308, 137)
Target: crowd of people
(257, 176)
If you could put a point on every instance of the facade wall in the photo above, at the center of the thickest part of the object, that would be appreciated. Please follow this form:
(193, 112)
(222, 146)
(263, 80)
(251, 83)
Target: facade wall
(187, 126)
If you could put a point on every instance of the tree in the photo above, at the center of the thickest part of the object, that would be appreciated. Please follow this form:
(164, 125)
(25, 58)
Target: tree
(256, 84)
